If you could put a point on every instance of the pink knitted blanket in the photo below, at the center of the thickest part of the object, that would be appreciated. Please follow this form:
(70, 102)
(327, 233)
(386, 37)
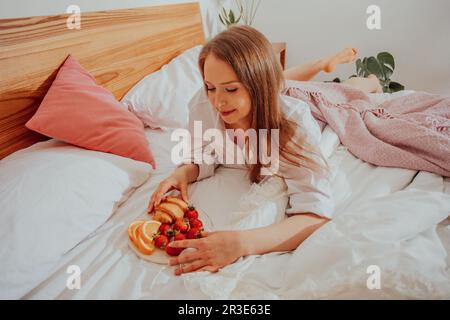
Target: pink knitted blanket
(410, 132)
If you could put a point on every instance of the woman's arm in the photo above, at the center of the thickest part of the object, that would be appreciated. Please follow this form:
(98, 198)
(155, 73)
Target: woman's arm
(221, 248)
(191, 170)
(284, 236)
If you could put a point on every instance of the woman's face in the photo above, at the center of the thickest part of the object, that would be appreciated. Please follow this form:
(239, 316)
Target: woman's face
(226, 93)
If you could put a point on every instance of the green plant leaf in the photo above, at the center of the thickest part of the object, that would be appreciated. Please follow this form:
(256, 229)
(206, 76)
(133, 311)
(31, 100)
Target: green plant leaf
(365, 71)
(359, 67)
(374, 67)
(395, 86)
(385, 83)
(386, 58)
(225, 14)
(387, 61)
(382, 67)
(221, 20)
(232, 17)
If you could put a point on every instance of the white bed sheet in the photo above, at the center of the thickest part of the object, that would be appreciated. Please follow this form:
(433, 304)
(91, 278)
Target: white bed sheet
(109, 269)
(411, 248)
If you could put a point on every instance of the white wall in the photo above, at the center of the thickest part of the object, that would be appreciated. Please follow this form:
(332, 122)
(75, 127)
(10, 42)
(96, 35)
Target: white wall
(416, 32)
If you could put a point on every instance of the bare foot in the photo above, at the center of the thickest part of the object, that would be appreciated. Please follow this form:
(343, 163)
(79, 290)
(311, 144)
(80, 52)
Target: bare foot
(377, 85)
(345, 56)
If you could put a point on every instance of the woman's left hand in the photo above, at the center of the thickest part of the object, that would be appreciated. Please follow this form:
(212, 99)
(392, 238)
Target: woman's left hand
(214, 251)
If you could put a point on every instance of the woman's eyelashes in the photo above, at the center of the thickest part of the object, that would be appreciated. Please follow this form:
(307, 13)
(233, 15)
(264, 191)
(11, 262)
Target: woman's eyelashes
(226, 89)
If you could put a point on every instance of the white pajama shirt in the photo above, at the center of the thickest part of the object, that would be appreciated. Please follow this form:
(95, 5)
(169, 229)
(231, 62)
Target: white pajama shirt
(308, 191)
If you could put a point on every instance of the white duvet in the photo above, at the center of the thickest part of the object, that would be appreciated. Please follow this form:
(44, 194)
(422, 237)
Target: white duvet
(393, 219)
(389, 226)
(388, 217)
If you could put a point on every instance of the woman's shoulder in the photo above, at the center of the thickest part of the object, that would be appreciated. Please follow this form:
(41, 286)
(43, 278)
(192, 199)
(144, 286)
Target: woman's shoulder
(300, 112)
(200, 109)
(291, 103)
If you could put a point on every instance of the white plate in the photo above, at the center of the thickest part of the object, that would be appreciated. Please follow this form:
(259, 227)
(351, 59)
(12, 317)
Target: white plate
(158, 256)
(161, 257)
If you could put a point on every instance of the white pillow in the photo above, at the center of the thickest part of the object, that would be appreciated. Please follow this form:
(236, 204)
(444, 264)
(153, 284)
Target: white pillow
(52, 196)
(160, 99)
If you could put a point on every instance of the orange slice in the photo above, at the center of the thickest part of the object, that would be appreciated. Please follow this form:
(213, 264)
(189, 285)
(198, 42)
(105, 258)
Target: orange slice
(148, 230)
(143, 247)
(132, 230)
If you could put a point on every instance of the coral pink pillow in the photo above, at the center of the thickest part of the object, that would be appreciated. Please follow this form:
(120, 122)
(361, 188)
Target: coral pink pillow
(78, 111)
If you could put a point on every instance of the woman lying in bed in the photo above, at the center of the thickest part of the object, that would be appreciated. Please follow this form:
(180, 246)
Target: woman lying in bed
(243, 81)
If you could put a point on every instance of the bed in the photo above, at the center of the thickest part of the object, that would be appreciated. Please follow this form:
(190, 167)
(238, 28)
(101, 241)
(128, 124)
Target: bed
(391, 220)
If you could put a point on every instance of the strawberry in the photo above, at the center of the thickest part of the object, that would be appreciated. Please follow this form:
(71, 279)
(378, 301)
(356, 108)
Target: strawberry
(173, 251)
(179, 236)
(166, 230)
(180, 225)
(196, 223)
(161, 241)
(193, 233)
(191, 213)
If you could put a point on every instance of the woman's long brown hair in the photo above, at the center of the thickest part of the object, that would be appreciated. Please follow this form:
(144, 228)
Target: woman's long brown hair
(253, 60)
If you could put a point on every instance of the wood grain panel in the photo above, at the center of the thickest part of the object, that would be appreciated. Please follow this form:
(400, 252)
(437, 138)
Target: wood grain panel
(118, 47)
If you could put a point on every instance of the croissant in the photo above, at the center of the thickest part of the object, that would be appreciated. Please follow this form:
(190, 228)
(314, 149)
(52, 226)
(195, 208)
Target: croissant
(171, 208)
(180, 202)
(162, 217)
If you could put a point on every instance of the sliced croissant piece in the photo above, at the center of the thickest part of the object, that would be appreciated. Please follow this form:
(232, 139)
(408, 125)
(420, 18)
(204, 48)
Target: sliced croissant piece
(180, 202)
(171, 208)
(162, 216)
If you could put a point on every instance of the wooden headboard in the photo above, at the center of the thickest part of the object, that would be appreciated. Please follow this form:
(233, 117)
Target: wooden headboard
(118, 47)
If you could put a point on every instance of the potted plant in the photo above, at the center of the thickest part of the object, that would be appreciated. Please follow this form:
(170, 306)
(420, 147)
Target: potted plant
(382, 67)
(246, 13)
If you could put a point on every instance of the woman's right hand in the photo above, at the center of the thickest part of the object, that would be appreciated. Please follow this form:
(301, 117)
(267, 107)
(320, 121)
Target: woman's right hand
(177, 180)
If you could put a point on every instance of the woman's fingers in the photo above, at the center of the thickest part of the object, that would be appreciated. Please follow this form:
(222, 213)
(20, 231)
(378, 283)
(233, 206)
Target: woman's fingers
(207, 233)
(186, 256)
(197, 264)
(151, 204)
(190, 243)
(155, 196)
(162, 190)
(158, 198)
(209, 269)
(164, 187)
(183, 190)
